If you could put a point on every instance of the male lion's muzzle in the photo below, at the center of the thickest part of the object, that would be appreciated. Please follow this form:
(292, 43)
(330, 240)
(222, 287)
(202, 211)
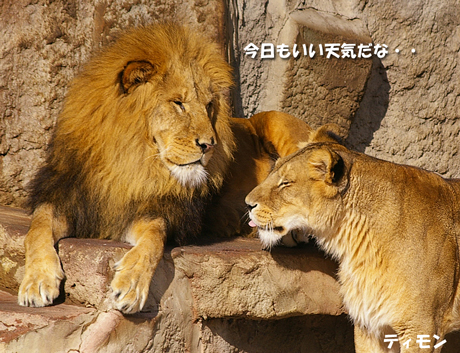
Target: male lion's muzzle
(207, 149)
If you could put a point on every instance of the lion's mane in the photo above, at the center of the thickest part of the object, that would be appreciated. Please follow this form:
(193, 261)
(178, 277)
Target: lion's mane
(103, 169)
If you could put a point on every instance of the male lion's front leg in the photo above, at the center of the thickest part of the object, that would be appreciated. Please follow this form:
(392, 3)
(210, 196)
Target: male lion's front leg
(135, 270)
(43, 272)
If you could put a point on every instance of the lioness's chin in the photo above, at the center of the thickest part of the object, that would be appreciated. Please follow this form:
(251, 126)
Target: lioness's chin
(190, 175)
(269, 238)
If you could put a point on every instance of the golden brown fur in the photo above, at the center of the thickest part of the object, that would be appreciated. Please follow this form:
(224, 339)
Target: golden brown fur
(261, 140)
(394, 229)
(143, 141)
(140, 152)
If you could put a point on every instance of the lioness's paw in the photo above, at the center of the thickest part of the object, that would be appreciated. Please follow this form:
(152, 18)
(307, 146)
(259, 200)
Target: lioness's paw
(131, 283)
(40, 285)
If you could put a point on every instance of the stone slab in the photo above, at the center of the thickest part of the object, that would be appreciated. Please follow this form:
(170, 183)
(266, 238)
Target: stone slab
(17, 320)
(70, 328)
(226, 278)
(238, 279)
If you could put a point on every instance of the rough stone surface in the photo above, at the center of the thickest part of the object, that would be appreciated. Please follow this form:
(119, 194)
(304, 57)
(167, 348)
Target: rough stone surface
(411, 113)
(408, 112)
(43, 45)
(14, 224)
(317, 89)
(322, 90)
(69, 328)
(251, 283)
(18, 322)
(88, 265)
(296, 335)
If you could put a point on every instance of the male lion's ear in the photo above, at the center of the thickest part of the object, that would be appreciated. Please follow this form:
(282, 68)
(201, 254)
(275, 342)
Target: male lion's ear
(136, 73)
(326, 165)
(327, 133)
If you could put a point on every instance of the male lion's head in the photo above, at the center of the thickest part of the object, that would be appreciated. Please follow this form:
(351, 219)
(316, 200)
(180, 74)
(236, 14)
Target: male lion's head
(151, 109)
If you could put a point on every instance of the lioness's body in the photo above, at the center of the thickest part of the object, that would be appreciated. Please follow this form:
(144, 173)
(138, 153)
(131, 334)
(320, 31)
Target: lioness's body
(143, 148)
(394, 229)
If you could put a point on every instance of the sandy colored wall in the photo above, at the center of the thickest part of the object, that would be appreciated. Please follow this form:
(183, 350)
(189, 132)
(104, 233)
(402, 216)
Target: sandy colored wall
(403, 107)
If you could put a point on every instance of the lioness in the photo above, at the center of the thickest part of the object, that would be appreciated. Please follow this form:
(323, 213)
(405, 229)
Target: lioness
(394, 229)
(143, 147)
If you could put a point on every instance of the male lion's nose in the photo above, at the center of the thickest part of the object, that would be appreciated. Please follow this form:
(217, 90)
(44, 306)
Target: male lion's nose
(250, 206)
(205, 146)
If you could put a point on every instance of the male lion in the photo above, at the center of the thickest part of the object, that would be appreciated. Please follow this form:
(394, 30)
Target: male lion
(394, 229)
(140, 150)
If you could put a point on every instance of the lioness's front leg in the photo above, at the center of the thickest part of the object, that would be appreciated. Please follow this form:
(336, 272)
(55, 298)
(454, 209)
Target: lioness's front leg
(135, 270)
(366, 343)
(43, 272)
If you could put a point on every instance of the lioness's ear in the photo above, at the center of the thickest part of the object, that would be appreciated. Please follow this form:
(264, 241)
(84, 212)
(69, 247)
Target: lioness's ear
(136, 73)
(326, 165)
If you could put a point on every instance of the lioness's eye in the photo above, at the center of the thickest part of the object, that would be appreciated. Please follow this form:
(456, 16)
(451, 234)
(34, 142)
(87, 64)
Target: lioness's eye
(180, 105)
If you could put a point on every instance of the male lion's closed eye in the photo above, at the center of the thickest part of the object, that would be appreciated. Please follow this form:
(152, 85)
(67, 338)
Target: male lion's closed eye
(284, 183)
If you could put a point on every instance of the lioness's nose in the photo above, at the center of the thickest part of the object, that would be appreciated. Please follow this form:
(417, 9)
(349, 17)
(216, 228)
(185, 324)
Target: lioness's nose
(251, 206)
(205, 146)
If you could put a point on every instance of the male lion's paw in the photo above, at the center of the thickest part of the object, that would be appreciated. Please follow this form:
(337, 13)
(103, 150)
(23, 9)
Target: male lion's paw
(40, 285)
(131, 283)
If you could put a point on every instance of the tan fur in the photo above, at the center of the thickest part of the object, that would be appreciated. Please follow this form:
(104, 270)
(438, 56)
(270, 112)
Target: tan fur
(394, 230)
(42, 285)
(136, 268)
(140, 153)
(260, 141)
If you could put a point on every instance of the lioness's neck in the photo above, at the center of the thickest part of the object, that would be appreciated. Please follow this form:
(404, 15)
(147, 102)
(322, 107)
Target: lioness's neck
(360, 262)
(352, 241)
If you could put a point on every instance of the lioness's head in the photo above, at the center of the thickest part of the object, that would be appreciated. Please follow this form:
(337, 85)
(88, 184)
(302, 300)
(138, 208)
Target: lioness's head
(160, 92)
(302, 192)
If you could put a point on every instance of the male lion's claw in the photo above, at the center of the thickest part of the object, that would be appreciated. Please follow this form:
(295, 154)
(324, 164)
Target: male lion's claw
(130, 286)
(130, 301)
(40, 289)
